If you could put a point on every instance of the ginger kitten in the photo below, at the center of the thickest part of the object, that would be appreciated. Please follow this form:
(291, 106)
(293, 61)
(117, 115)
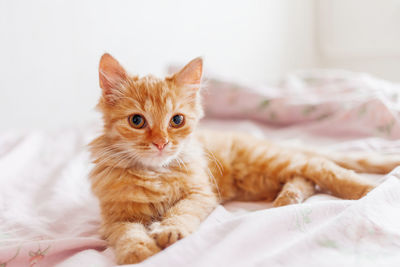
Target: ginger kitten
(157, 177)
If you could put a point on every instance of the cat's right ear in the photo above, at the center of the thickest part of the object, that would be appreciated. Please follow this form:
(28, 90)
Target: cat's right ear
(112, 77)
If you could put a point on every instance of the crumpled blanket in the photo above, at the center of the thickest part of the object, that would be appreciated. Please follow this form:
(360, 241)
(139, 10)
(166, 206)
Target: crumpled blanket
(49, 217)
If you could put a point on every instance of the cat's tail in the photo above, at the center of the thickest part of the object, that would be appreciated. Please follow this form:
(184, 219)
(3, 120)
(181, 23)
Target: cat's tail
(363, 162)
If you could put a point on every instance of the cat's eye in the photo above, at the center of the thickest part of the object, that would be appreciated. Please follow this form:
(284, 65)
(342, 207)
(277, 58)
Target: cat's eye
(177, 121)
(137, 121)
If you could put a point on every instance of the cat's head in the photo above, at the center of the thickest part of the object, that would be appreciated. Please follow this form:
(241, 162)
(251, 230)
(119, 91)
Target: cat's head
(148, 120)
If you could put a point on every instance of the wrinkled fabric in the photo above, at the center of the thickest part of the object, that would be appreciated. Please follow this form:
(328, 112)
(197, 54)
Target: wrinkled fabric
(49, 217)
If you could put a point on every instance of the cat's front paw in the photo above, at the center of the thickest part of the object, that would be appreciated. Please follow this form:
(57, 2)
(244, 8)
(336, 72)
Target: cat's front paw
(135, 250)
(167, 234)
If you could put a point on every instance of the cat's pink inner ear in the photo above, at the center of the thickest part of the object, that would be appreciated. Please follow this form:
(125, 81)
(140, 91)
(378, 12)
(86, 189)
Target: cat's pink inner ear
(111, 75)
(191, 73)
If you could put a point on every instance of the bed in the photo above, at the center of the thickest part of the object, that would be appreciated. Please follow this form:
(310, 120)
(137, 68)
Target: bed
(49, 217)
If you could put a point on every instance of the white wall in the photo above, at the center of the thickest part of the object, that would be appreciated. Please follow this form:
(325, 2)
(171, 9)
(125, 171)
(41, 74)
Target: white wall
(360, 35)
(50, 49)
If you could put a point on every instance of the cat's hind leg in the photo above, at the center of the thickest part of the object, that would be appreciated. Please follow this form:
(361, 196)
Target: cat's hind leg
(295, 191)
(337, 180)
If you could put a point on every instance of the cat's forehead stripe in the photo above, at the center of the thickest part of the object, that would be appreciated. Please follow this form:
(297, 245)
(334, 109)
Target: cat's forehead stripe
(168, 104)
(148, 105)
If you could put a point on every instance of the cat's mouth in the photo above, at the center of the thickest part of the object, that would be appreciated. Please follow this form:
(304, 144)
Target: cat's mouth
(159, 154)
(163, 155)
(154, 157)
(157, 158)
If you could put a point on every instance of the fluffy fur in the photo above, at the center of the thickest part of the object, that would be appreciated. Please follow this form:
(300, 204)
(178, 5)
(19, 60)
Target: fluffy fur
(152, 197)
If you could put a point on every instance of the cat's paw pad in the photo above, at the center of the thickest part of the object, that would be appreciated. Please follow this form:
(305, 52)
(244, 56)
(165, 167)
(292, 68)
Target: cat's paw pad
(166, 235)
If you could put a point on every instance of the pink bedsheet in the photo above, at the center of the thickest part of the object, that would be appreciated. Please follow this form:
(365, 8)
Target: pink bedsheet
(49, 217)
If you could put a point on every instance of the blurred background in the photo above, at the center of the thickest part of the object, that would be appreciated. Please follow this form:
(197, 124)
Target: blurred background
(50, 49)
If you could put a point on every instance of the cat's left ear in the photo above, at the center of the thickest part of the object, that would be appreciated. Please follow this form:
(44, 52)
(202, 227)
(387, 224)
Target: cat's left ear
(191, 74)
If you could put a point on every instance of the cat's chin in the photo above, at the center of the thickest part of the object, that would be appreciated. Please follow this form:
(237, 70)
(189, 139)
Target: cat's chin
(156, 161)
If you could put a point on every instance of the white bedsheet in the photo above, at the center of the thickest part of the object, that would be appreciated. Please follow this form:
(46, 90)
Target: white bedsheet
(48, 215)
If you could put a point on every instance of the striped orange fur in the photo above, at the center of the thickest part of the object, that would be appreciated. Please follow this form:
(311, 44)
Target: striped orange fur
(152, 195)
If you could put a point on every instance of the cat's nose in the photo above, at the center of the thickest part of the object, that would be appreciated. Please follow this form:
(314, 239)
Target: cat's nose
(160, 144)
